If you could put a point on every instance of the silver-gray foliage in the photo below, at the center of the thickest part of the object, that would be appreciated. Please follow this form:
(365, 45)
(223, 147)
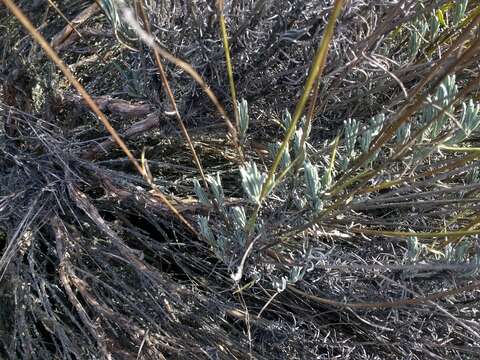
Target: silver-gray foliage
(252, 181)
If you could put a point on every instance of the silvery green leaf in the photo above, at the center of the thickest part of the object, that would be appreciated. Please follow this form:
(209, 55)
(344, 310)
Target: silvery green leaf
(351, 132)
(307, 129)
(365, 139)
(205, 229)
(403, 133)
(216, 188)
(297, 140)
(414, 42)
(459, 13)
(422, 27)
(285, 158)
(434, 25)
(413, 248)
(243, 118)
(113, 10)
(286, 119)
(311, 179)
(473, 176)
(220, 246)
(445, 93)
(376, 123)
(312, 183)
(374, 126)
(296, 273)
(285, 161)
(465, 111)
(461, 251)
(471, 120)
(252, 181)
(351, 127)
(461, 134)
(449, 253)
(201, 194)
(326, 180)
(239, 221)
(437, 126)
(428, 111)
(344, 161)
(451, 85)
(475, 262)
(239, 217)
(442, 92)
(371, 131)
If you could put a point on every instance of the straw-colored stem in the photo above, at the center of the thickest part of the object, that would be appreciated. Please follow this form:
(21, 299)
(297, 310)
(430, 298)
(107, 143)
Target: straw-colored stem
(151, 42)
(228, 60)
(51, 53)
(171, 97)
(315, 71)
(420, 235)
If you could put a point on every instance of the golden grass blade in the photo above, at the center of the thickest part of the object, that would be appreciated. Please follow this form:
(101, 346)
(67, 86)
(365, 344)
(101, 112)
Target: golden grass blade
(226, 48)
(390, 183)
(331, 166)
(308, 122)
(455, 149)
(474, 223)
(445, 37)
(420, 235)
(346, 199)
(315, 71)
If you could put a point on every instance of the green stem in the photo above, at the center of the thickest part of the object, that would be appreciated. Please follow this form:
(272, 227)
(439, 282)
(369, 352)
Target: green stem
(228, 60)
(315, 70)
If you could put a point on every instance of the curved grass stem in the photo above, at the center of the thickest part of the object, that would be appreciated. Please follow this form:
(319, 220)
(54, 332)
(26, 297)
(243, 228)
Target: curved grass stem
(173, 103)
(228, 60)
(315, 70)
(52, 54)
(151, 42)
